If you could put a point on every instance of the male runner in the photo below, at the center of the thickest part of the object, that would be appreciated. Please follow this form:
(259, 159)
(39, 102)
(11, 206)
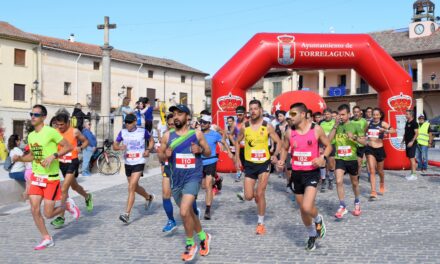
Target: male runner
(45, 181)
(137, 143)
(363, 124)
(240, 111)
(303, 141)
(369, 114)
(69, 165)
(347, 136)
(183, 148)
(256, 134)
(281, 130)
(327, 124)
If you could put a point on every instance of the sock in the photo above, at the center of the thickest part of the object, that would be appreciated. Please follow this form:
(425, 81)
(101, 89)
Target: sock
(331, 175)
(322, 173)
(342, 203)
(311, 230)
(47, 237)
(261, 219)
(317, 219)
(195, 208)
(356, 200)
(202, 235)
(190, 241)
(208, 208)
(168, 207)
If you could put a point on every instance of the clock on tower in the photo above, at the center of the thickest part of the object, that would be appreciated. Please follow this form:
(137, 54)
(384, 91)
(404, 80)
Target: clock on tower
(423, 22)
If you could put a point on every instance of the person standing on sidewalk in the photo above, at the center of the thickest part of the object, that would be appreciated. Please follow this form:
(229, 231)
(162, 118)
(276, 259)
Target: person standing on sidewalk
(45, 182)
(89, 150)
(424, 141)
(409, 139)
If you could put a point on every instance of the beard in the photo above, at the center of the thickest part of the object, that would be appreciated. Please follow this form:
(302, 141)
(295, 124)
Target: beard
(179, 124)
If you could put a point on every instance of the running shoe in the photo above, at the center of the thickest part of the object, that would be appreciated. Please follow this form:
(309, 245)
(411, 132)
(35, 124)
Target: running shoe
(323, 186)
(261, 230)
(58, 222)
(320, 228)
(330, 185)
(341, 212)
(89, 203)
(373, 196)
(357, 209)
(310, 246)
(124, 218)
(288, 190)
(45, 243)
(382, 188)
(411, 177)
(73, 208)
(240, 196)
(204, 245)
(170, 226)
(190, 252)
(149, 202)
(207, 215)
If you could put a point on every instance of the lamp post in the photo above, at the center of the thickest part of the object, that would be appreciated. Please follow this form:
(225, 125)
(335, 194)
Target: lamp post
(34, 90)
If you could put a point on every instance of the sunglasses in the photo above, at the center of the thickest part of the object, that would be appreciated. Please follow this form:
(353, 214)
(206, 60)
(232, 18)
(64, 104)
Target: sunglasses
(129, 122)
(204, 122)
(292, 113)
(35, 114)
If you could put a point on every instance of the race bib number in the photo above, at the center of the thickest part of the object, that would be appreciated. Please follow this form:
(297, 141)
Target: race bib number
(133, 155)
(344, 151)
(258, 155)
(373, 133)
(232, 148)
(185, 161)
(66, 158)
(302, 158)
(39, 180)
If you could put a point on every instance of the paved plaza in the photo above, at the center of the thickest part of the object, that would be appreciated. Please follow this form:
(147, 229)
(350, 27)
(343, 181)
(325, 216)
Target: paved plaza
(399, 227)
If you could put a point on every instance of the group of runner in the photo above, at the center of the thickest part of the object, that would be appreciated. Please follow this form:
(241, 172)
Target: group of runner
(305, 148)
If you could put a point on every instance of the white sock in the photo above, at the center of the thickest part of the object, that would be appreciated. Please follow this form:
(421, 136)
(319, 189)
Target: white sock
(322, 170)
(261, 219)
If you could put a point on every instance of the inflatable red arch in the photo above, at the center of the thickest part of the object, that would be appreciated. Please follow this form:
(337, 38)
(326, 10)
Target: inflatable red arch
(316, 51)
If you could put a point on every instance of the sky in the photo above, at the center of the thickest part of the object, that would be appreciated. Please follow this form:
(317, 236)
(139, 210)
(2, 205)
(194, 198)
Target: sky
(202, 34)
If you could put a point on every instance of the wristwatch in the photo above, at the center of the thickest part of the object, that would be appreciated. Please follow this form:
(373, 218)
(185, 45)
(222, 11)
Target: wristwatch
(55, 155)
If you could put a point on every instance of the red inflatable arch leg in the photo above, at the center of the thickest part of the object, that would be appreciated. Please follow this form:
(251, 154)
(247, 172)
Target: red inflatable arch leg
(316, 51)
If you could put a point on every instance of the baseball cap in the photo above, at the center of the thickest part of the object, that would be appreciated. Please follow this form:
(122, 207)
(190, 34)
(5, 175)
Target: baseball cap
(130, 118)
(240, 109)
(422, 116)
(206, 118)
(181, 108)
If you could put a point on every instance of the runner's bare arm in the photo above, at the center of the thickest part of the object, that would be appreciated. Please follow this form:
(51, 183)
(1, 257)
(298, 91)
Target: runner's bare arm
(276, 139)
(66, 147)
(25, 158)
(286, 140)
(388, 128)
(332, 134)
(240, 137)
(161, 153)
(82, 138)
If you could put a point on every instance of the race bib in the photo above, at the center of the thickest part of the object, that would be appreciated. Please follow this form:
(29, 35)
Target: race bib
(344, 151)
(39, 180)
(258, 155)
(66, 158)
(185, 161)
(242, 143)
(302, 158)
(133, 155)
(232, 148)
(373, 133)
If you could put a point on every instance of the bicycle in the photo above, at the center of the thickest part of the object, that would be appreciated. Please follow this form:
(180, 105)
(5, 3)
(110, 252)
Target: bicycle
(107, 161)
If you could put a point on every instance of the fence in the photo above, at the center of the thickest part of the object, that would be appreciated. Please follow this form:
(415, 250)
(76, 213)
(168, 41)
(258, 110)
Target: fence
(106, 127)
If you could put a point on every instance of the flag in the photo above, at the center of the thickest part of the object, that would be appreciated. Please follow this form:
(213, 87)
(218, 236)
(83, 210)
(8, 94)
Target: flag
(410, 71)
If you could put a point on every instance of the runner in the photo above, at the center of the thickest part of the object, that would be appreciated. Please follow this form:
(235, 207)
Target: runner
(375, 152)
(317, 118)
(369, 114)
(45, 181)
(210, 162)
(335, 115)
(240, 111)
(347, 136)
(281, 130)
(133, 141)
(363, 124)
(303, 141)
(69, 165)
(256, 134)
(327, 125)
(183, 148)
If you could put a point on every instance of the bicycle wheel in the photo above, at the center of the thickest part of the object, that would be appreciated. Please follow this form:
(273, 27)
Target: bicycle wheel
(110, 166)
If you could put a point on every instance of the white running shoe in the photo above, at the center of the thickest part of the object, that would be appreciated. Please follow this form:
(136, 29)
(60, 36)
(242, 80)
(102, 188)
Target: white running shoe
(45, 243)
(411, 177)
(73, 208)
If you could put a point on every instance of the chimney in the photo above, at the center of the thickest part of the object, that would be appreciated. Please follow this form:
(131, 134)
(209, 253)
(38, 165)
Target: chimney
(72, 37)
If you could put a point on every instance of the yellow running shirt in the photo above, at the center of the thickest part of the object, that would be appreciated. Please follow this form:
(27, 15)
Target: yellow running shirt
(256, 148)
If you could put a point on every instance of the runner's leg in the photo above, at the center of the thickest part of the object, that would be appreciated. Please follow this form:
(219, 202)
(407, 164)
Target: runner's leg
(35, 201)
(132, 189)
(372, 168)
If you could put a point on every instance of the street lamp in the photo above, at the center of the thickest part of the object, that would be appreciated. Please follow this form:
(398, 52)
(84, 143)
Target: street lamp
(122, 91)
(35, 89)
(173, 96)
(265, 98)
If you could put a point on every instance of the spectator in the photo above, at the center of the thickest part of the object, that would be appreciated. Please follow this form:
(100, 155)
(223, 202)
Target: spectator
(125, 108)
(90, 149)
(148, 115)
(409, 138)
(433, 77)
(424, 141)
(155, 132)
(3, 151)
(80, 116)
(18, 168)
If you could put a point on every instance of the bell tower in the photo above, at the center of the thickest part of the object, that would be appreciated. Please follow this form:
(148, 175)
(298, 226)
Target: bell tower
(423, 21)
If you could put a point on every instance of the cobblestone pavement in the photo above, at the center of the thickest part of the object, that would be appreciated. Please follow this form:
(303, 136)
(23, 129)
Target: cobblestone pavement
(397, 228)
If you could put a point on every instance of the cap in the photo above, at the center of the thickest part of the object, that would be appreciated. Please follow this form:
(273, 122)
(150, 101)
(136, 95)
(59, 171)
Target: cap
(181, 108)
(130, 118)
(240, 109)
(27, 148)
(422, 116)
(206, 118)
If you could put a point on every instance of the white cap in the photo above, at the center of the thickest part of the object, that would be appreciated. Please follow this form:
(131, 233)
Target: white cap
(206, 118)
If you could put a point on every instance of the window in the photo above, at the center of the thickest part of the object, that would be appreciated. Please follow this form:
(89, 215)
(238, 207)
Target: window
(128, 94)
(96, 96)
(182, 79)
(343, 80)
(151, 94)
(364, 87)
(20, 57)
(19, 92)
(325, 81)
(150, 74)
(183, 98)
(18, 127)
(277, 89)
(414, 75)
(67, 88)
(96, 65)
(300, 82)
